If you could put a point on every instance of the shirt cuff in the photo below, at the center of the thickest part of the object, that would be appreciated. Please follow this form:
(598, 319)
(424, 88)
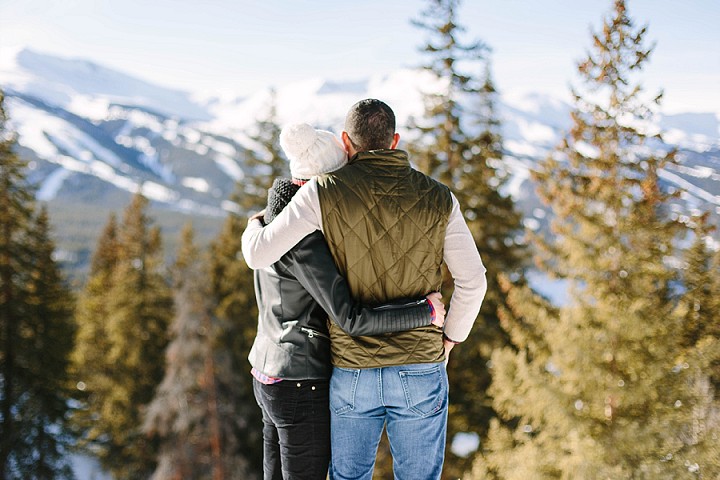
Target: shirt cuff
(445, 337)
(432, 311)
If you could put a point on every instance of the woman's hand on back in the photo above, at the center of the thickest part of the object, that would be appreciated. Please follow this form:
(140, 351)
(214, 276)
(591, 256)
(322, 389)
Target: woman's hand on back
(434, 299)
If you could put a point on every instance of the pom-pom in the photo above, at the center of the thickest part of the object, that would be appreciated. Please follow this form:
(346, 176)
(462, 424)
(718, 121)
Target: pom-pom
(296, 139)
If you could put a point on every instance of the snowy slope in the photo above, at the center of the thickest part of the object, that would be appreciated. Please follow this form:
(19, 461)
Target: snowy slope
(322, 103)
(86, 88)
(125, 160)
(532, 124)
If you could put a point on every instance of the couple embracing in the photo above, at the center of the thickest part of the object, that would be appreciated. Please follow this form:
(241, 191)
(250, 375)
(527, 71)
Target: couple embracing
(352, 335)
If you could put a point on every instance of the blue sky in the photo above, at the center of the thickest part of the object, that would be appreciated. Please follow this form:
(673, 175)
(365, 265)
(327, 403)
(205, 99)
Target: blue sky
(240, 45)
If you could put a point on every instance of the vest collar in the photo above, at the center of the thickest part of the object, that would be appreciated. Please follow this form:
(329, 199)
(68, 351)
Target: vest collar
(384, 157)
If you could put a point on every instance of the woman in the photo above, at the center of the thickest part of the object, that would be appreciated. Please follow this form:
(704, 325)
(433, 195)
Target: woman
(295, 296)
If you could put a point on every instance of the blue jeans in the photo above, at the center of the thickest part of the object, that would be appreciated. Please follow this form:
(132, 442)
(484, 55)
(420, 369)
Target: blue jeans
(411, 400)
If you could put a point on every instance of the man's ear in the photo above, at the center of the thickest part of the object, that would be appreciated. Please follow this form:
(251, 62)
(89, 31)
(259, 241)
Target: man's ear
(347, 144)
(396, 140)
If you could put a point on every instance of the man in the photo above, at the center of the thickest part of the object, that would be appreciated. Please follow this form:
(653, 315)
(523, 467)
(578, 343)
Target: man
(389, 228)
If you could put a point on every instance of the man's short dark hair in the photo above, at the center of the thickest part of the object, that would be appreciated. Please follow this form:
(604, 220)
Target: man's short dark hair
(370, 124)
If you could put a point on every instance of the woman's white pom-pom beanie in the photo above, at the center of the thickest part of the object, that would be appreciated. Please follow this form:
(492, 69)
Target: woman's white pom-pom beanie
(311, 152)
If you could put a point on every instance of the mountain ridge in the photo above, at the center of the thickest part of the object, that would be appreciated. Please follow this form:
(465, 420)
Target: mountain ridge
(94, 135)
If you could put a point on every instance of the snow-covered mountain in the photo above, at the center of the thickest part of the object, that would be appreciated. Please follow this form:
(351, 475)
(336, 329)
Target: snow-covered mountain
(86, 88)
(79, 121)
(94, 135)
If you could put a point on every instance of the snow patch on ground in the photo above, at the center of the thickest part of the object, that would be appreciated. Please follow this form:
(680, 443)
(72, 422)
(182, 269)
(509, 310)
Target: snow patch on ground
(535, 132)
(697, 171)
(191, 206)
(229, 206)
(229, 166)
(689, 187)
(523, 148)
(465, 443)
(697, 142)
(519, 175)
(219, 146)
(139, 119)
(93, 108)
(155, 191)
(587, 150)
(52, 184)
(196, 183)
(45, 133)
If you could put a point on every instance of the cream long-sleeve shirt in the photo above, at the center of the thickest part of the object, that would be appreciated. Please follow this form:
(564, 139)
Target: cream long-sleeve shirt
(263, 246)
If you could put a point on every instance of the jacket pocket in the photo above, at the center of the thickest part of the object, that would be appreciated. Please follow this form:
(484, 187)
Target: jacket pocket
(313, 333)
(317, 353)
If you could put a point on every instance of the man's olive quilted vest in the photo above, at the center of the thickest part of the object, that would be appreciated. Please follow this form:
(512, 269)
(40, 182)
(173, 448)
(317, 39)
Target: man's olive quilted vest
(385, 224)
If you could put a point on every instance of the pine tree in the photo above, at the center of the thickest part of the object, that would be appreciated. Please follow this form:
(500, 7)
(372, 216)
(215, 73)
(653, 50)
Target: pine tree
(232, 290)
(36, 331)
(589, 389)
(50, 307)
(699, 308)
(265, 162)
(15, 217)
(195, 430)
(89, 359)
(233, 287)
(461, 145)
(138, 308)
(700, 302)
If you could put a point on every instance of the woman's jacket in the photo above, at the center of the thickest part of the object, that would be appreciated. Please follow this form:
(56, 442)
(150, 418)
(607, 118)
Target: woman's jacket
(298, 295)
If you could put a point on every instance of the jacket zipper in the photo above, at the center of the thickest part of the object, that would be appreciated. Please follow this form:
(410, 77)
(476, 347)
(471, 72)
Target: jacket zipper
(313, 333)
(424, 301)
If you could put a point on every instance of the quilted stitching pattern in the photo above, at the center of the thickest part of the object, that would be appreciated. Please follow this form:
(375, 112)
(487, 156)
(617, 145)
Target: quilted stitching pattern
(385, 225)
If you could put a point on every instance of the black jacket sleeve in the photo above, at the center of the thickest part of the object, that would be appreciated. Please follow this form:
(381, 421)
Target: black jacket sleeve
(312, 264)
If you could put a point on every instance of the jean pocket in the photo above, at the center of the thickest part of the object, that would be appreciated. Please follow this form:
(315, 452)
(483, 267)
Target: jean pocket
(280, 403)
(343, 385)
(425, 390)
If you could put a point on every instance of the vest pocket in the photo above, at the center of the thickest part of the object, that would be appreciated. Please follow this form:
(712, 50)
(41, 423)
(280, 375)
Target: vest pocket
(425, 390)
(343, 385)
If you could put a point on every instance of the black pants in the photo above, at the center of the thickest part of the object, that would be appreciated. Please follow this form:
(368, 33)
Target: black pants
(296, 429)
